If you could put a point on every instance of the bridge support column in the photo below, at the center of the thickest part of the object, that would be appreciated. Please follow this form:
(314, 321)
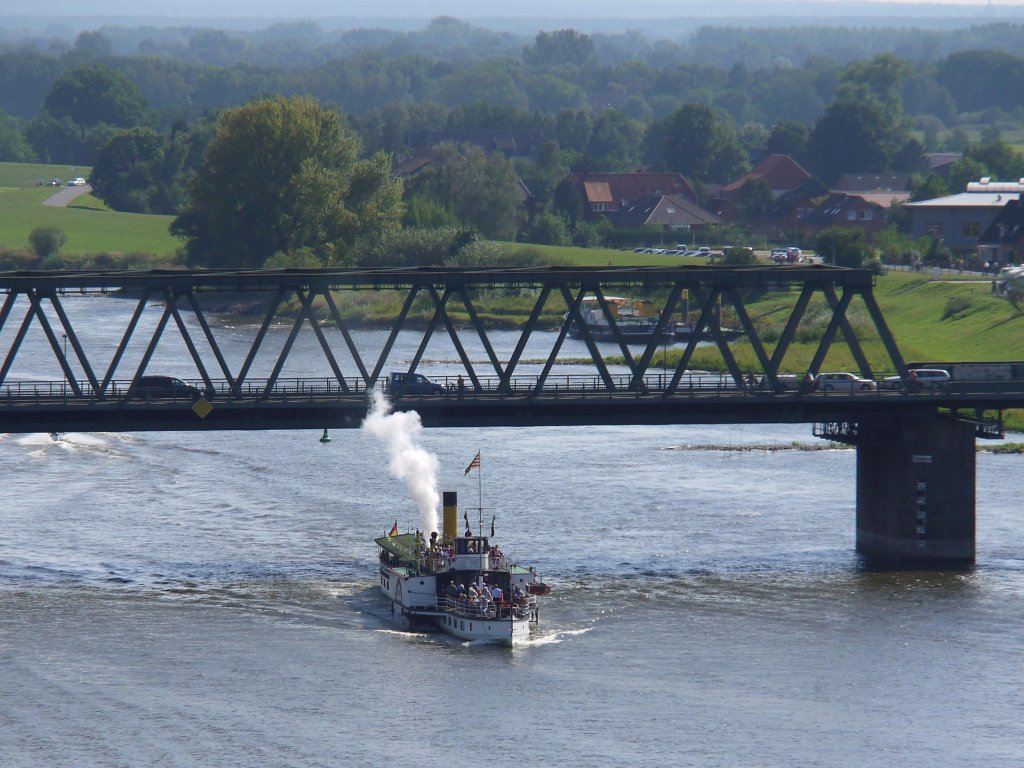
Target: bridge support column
(916, 490)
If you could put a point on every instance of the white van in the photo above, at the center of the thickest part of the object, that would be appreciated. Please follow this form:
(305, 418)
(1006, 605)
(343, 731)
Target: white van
(927, 379)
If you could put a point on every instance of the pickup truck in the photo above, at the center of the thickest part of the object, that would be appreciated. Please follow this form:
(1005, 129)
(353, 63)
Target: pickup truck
(405, 384)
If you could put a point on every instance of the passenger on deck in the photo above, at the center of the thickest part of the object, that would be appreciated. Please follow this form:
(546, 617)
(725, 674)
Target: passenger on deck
(496, 593)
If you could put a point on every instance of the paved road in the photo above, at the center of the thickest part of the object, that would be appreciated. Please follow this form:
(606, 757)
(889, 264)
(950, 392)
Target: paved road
(61, 198)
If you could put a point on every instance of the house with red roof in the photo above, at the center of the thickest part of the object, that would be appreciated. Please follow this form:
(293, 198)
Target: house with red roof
(605, 194)
(781, 172)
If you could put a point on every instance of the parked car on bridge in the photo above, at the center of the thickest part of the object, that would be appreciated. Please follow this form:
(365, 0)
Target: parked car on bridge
(843, 382)
(163, 388)
(930, 379)
(402, 383)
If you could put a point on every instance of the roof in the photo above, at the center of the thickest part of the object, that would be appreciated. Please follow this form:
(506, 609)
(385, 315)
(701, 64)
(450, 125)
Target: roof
(873, 182)
(631, 187)
(940, 159)
(884, 199)
(597, 192)
(967, 200)
(780, 171)
(987, 185)
(402, 546)
(665, 211)
(835, 205)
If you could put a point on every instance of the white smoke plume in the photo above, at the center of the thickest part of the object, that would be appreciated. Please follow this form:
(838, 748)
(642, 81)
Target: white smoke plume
(417, 466)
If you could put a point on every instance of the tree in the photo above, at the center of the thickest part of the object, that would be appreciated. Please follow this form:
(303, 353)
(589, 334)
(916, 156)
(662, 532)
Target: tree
(1002, 161)
(95, 94)
(563, 46)
(701, 145)
(282, 174)
(788, 137)
(879, 78)
(754, 200)
(851, 137)
(481, 189)
(127, 174)
(46, 241)
(13, 147)
(614, 142)
(910, 158)
(932, 187)
(569, 202)
(842, 246)
(547, 229)
(964, 171)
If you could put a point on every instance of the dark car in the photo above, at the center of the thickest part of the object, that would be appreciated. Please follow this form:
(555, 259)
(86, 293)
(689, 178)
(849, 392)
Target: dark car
(163, 388)
(413, 384)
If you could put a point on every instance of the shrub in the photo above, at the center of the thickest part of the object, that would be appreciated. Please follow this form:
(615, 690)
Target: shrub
(46, 241)
(955, 305)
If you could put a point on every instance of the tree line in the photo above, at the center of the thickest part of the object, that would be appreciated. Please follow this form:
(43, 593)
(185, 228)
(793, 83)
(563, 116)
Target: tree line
(113, 112)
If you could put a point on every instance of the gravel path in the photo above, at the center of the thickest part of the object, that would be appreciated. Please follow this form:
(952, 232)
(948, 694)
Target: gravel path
(66, 195)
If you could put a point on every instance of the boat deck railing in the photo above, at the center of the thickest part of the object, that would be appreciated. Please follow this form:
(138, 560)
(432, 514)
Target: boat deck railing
(481, 609)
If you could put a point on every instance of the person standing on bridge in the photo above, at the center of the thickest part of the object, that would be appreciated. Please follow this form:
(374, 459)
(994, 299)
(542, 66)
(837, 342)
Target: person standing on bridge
(461, 386)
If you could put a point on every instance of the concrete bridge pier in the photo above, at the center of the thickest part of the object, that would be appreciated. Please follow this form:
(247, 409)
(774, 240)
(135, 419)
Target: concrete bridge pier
(916, 490)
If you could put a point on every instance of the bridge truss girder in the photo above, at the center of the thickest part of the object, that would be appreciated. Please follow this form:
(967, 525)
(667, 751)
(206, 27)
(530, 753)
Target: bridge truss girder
(710, 289)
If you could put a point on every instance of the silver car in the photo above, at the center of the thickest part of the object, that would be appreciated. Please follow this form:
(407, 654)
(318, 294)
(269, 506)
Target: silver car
(844, 382)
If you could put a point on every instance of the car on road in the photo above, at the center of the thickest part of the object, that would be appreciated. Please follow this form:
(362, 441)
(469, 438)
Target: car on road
(54, 183)
(405, 384)
(841, 381)
(918, 379)
(703, 251)
(77, 182)
(163, 388)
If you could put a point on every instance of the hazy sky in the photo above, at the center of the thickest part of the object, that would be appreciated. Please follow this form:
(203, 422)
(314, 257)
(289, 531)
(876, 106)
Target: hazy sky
(206, 9)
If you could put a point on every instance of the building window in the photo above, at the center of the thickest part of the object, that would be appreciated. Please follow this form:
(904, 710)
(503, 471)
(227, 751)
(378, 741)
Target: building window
(851, 215)
(865, 215)
(972, 229)
(598, 207)
(934, 229)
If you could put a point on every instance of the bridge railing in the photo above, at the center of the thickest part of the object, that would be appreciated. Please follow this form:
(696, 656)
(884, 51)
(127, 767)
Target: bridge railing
(568, 386)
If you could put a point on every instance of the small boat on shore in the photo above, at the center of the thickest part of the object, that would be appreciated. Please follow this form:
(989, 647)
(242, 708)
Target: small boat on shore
(635, 320)
(463, 585)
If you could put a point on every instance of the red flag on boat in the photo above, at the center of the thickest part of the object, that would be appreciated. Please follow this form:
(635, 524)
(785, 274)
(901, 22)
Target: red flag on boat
(474, 464)
(394, 530)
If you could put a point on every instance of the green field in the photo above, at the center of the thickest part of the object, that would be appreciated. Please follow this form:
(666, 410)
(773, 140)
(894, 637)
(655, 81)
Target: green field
(89, 225)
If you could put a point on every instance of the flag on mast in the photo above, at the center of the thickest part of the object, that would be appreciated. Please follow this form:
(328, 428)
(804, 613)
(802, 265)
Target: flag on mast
(474, 464)
(492, 525)
(394, 530)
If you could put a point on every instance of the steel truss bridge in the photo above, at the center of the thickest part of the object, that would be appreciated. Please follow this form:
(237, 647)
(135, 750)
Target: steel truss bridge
(95, 393)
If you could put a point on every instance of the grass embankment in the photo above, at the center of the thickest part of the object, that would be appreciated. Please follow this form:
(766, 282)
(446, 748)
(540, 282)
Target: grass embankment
(90, 226)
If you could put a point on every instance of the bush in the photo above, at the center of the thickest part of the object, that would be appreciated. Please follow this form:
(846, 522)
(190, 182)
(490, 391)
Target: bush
(17, 258)
(547, 229)
(414, 247)
(46, 241)
(955, 306)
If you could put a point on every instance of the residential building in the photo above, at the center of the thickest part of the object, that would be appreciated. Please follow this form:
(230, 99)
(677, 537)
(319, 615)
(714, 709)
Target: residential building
(782, 173)
(1002, 242)
(669, 212)
(958, 221)
(845, 210)
(605, 194)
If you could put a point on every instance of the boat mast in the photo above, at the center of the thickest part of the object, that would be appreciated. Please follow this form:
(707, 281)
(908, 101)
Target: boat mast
(480, 516)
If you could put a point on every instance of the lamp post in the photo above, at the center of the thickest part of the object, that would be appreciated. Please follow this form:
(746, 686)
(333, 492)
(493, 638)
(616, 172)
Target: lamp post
(64, 386)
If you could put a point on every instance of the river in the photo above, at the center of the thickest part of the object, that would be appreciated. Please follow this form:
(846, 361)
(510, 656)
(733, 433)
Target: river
(210, 599)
